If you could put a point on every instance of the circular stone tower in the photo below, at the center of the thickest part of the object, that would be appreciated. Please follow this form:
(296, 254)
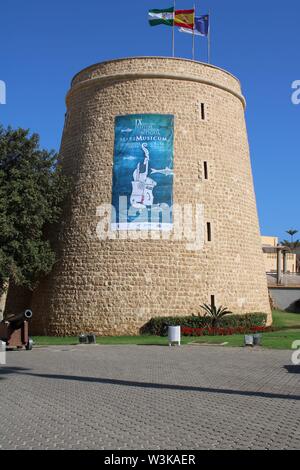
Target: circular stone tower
(153, 132)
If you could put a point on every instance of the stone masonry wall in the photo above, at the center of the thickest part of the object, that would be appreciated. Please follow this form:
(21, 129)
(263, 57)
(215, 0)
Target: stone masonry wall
(115, 286)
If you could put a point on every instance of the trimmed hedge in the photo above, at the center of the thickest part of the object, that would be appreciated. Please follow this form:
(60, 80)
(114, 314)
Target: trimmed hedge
(158, 326)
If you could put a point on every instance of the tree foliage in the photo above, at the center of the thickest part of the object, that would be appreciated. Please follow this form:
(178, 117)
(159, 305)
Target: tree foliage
(292, 232)
(215, 314)
(32, 189)
(292, 245)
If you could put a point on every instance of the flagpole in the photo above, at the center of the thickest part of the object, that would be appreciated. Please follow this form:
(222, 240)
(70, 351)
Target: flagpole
(193, 49)
(209, 40)
(173, 32)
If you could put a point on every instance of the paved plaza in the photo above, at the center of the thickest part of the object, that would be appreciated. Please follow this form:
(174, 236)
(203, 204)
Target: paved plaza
(149, 397)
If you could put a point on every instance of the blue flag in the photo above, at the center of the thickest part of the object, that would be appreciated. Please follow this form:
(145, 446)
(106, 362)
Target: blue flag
(202, 24)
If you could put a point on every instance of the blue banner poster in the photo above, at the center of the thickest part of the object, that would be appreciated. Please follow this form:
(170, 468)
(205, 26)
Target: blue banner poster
(142, 193)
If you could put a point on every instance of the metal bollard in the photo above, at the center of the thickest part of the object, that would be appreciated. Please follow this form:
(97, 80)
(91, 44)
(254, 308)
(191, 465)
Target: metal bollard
(91, 339)
(83, 339)
(257, 339)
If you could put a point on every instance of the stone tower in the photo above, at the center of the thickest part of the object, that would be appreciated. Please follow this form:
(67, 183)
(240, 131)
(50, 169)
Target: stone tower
(115, 285)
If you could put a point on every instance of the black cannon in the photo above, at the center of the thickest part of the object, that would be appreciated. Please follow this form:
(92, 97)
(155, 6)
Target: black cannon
(14, 330)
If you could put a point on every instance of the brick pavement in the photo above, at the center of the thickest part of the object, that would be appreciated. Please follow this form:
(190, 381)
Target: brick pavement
(149, 397)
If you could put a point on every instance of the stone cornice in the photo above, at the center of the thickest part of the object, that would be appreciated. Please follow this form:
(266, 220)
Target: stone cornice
(107, 79)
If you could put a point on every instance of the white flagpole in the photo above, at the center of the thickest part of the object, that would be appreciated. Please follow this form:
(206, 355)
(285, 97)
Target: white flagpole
(173, 32)
(209, 40)
(193, 50)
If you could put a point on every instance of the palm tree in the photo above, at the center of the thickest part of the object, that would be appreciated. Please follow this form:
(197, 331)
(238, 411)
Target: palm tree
(292, 232)
(215, 313)
(291, 245)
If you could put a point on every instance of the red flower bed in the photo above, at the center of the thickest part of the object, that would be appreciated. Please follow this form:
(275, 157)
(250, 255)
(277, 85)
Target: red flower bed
(209, 331)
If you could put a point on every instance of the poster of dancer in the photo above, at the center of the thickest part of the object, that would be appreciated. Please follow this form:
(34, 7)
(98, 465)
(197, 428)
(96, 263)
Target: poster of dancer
(142, 192)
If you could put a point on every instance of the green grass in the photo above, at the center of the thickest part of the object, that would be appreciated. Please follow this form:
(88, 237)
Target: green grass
(285, 319)
(288, 325)
(114, 340)
(54, 340)
(274, 340)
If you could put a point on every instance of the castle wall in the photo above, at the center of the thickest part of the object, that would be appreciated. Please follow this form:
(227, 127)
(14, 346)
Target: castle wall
(116, 286)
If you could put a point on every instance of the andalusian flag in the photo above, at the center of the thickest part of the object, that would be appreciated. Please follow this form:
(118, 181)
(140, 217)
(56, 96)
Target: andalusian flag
(157, 17)
(184, 19)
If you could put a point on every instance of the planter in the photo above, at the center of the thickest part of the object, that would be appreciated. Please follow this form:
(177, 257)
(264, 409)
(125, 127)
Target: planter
(174, 335)
(83, 339)
(91, 339)
(257, 339)
(249, 340)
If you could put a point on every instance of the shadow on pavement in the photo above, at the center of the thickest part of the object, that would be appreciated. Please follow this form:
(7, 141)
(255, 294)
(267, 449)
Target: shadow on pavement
(4, 370)
(187, 388)
(293, 369)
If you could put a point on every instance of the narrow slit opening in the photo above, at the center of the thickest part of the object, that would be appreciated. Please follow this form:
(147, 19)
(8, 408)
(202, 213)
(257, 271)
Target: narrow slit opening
(209, 231)
(205, 171)
(203, 111)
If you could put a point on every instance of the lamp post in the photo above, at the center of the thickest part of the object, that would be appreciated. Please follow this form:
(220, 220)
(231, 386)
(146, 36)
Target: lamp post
(279, 263)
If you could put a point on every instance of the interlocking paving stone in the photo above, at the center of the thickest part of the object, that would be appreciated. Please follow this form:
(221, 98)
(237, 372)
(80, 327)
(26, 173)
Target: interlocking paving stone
(149, 397)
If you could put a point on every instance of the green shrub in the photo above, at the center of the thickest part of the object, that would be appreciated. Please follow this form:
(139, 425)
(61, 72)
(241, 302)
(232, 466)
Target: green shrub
(159, 325)
(215, 314)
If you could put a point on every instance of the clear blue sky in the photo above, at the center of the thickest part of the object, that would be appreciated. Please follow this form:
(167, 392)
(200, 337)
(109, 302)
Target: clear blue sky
(44, 43)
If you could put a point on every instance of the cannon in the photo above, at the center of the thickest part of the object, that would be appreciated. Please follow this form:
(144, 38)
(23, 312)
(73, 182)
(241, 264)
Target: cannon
(14, 330)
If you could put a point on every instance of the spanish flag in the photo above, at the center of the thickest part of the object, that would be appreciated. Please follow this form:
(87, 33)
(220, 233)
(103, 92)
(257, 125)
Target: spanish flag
(184, 18)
